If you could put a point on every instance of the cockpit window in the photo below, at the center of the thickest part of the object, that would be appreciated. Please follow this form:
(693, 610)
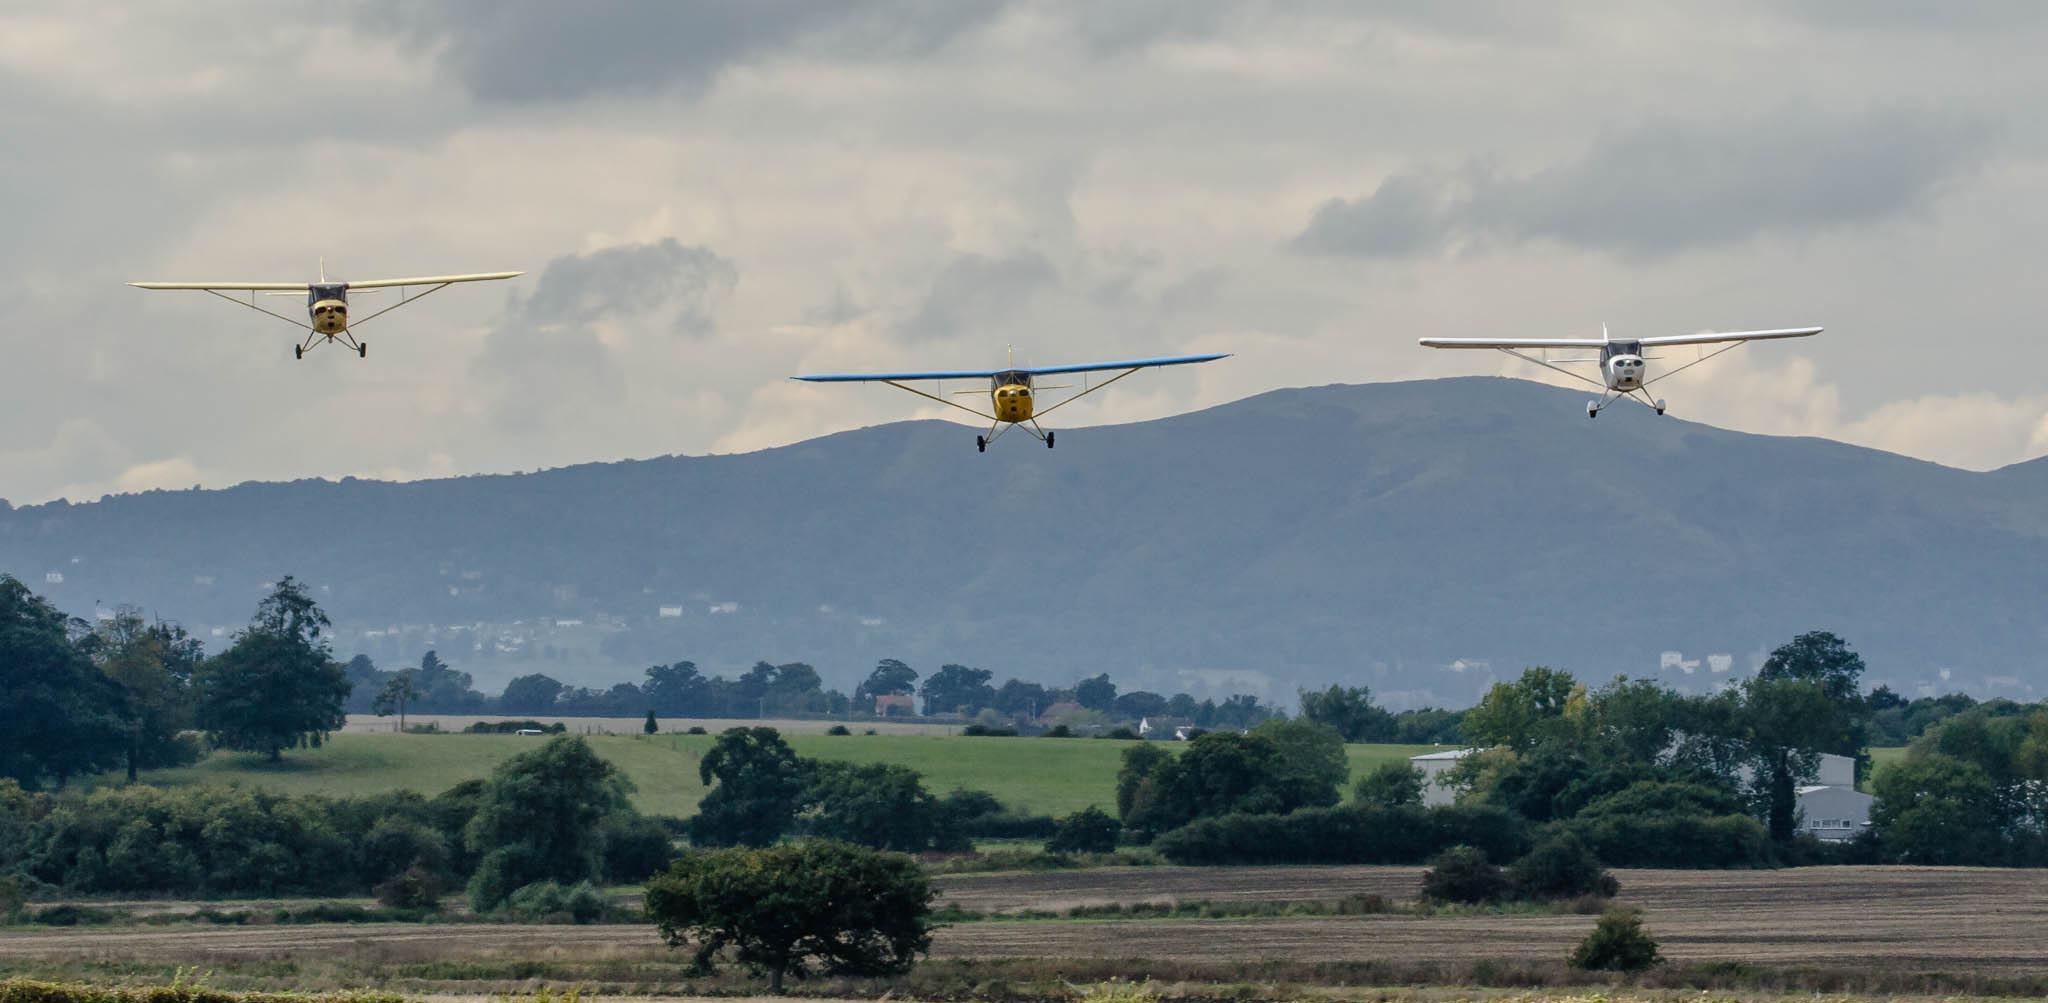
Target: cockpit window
(1014, 377)
(326, 291)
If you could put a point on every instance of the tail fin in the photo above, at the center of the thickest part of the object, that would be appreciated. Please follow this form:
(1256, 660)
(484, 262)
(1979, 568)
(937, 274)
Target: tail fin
(1603, 332)
(323, 268)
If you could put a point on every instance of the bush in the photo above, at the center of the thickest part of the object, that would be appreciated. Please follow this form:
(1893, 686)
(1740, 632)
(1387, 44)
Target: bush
(1675, 841)
(988, 731)
(1058, 731)
(1390, 785)
(1561, 867)
(839, 730)
(70, 915)
(1462, 874)
(395, 845)
(416, 888)
(510, 727)
(635, 847)
(548, 902)
(13, 897)
(1618, 943)
(1090, 830)
(1121, 734)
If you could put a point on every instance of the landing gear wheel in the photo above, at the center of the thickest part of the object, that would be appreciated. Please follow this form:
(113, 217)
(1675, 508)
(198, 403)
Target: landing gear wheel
(298, 351)
(362, 350)
(1048, 440)
(980, 444)
(1660, 407)
(1592, 409)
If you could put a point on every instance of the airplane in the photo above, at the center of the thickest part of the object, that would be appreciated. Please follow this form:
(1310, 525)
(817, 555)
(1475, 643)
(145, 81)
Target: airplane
(1622, 363)
(1012, 390)
(327, 302)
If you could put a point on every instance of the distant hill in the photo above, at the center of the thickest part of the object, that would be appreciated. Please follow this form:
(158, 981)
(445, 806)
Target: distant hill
(1419, 537)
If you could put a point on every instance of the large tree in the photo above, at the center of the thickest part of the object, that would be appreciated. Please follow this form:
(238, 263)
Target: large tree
(63, 716)
(399, 692)
(757, 785)
(957, 689)
(881, 805)
(1350, 710)
(277, 684)
(154, 663)
(796, 908)
(890, 677)
(1096, 694)
(539, 818)
(1519, 714)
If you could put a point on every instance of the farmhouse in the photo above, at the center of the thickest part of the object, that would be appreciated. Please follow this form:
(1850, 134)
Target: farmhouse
(1434, 766)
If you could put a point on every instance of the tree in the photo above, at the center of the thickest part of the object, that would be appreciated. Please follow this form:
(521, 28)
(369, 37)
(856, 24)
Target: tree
(1783, 721)
(957, 689)
(1021, 699)
(1390, 785)
(1462, 874)
(1517, 714)
(1937, 809)
(1090, 830)
(154, 664)
(276, 685)
(796, 908)
(881, 805)
(530, 694)
(1350, 711)
(1827, 661)
(651, 726)
(1224, 772)
(63, 716)
(1134, 777)
(1561, 867)
(1139, 704)
(539, 819)
(757, 785)
(1097, 694)
(890, 677)
(397, 693)
(1618, 943)
(677, 689)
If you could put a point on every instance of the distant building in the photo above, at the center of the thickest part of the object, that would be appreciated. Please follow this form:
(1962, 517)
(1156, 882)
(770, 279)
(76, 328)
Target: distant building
(671, 612)
(895, 705)
(1434, 766)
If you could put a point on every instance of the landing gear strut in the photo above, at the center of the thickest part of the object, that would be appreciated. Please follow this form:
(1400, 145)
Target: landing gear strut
(980, 444)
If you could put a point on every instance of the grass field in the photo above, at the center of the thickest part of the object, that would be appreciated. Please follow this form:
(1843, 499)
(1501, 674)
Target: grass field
(1050, 776)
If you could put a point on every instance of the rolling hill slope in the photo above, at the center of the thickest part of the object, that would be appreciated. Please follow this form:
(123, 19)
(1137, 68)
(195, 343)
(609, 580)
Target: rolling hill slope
(1419, 537)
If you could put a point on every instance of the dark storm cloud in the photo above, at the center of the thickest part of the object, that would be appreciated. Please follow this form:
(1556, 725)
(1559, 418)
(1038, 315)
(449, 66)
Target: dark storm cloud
(974, 292)
(516, 51)
(1664, 187)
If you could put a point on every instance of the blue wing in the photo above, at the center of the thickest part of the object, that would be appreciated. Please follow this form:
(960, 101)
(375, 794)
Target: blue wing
(950, 374)
(1092, 367)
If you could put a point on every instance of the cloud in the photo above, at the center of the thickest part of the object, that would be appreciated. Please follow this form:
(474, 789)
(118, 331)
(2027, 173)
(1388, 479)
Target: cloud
(558, 352)
(974, 292)
(523, 51)
(1663, 186)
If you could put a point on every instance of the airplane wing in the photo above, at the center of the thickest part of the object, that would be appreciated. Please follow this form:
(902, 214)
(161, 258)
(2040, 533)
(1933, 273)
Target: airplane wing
(948, 374)
(1511, 342)
(430, 280)
(258, 287)
(1717, 337)
(1095, 367)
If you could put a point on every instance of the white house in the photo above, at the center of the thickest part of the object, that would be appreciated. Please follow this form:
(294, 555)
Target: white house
(1434, 766)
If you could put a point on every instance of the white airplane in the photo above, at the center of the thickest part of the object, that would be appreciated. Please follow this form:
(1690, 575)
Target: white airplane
(327, 302)
(1622, 369)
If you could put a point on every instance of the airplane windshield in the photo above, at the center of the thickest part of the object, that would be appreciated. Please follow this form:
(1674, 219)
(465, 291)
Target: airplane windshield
(1014, 377)
(326, 291)
(1625, 348)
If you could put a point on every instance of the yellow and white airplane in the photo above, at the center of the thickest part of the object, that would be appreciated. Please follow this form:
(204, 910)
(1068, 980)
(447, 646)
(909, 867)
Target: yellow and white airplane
(1623, 372)
(1011, 391)
(327, 302)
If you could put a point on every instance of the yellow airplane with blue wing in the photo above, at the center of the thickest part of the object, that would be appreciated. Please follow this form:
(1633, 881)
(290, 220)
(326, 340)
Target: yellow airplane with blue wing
(1013, 390)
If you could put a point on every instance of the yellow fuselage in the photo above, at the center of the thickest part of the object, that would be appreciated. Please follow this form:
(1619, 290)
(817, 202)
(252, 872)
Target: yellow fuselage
(330, 317)
(1013, 402)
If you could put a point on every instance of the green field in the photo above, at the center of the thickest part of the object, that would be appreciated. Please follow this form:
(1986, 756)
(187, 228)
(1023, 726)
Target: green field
(1041, 775)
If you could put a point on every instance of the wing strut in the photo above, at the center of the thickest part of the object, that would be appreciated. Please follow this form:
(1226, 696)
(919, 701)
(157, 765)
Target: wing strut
(403, 299)
(942, 400)
(1727, 347)
(1547, 364)
(1086, 392)
(252, 305)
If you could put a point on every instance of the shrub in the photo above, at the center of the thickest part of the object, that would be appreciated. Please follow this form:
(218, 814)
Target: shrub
(416, 888)
(635, 848)
(12, 898)
(548, 902)
(1120, 733)
(1390, 785)
(70, 915)
(1561, 867)
(1675, 841)
(988, 731)
(698, 729)
(1618, 943)
(1090, 830)
(1058, 731)
(395, 844)
(1462, 874)
(839, 730)
(509, 727)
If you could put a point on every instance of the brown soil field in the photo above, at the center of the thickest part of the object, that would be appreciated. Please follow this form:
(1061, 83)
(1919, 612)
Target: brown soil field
(1889, 918)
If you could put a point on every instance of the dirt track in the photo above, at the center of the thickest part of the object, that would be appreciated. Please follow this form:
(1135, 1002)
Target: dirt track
(1947, 919)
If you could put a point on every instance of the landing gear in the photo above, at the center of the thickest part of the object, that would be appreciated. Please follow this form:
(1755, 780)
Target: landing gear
(1660, 407)
(1048, 440)
(1592, 409)
(981, 444)
(362, 350)
(298, 351)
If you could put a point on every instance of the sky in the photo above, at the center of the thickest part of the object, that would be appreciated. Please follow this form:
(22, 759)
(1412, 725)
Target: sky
(707, 198)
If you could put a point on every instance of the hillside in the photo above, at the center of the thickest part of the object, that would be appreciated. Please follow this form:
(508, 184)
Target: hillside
(1418, 537)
